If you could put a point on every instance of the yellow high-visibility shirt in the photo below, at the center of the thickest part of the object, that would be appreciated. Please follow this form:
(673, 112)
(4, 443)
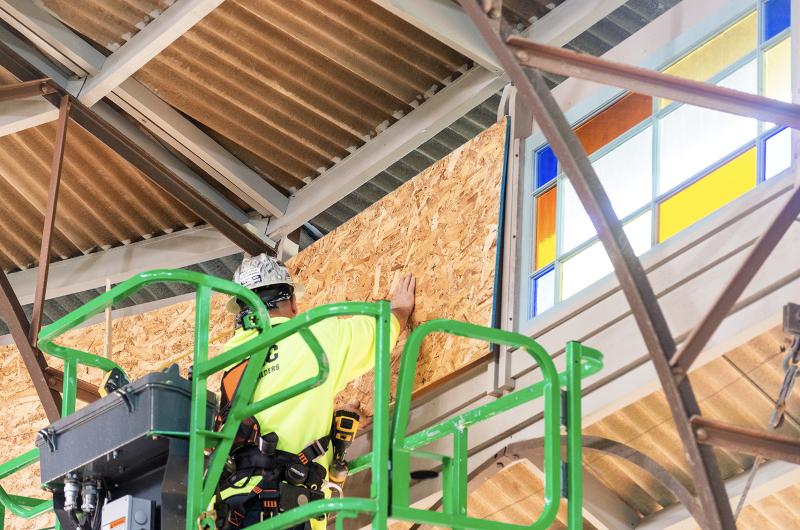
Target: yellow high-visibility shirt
(350, 346)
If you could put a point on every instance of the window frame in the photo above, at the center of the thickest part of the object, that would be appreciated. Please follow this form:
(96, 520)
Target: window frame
(528, 272)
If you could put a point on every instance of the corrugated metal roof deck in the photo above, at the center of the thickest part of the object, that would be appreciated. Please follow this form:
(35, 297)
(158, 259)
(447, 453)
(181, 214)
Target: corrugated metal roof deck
(739, 388)
(107, 23)
(289, 88)
(103, 200)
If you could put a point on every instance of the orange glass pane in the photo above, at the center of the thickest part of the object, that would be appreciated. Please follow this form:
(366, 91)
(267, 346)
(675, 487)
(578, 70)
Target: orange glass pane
(708, 194)
(545, 228)
(613, 121)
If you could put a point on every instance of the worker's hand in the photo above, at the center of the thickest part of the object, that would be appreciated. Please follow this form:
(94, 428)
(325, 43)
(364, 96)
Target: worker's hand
(403, 298)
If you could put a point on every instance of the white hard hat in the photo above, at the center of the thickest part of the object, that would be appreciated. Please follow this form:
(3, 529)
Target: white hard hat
(261, 271)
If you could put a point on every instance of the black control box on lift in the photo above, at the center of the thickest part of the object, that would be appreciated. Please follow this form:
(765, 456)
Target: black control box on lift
(113, 447)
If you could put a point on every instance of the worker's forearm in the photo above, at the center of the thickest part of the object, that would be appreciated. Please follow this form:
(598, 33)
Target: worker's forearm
(402, 316)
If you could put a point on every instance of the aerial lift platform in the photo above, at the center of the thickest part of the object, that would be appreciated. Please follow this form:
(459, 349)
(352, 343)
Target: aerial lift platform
(139, 453)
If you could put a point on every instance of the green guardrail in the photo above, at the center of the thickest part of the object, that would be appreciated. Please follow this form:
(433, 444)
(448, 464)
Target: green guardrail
(25, 507)
(392, 447)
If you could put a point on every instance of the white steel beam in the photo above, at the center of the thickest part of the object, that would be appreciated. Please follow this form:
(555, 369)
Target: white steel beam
(146, 44)
(179, 249)
(771, 478)
(446, 22)
(18, 115)
(569, 20)
(170, 126)
(401, 138)
(67, 48)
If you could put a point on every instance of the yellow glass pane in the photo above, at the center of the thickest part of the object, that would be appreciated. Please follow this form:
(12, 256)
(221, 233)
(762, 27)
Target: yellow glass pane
(713, 191)
(721, 51)
(777, 70)
(545, 228)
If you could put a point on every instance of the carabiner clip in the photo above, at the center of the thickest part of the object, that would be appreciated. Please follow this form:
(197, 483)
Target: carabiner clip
(334, 487)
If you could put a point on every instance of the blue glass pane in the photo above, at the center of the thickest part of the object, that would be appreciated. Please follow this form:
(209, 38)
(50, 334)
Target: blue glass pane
(546, 166)
(776, 17)
(543, 292)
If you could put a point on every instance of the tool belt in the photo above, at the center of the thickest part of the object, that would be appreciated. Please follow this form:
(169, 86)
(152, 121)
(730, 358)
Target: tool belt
(287, 480)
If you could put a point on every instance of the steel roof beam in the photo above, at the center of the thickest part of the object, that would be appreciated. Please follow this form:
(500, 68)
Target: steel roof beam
(16, 116)
(26, 89)
(747, 441)
(50, 218)
(143, 46)
(175, 250)
(445, 22)
(68, 49)
(14, 317)
(244, 236)
(405, 135)
(569, 20)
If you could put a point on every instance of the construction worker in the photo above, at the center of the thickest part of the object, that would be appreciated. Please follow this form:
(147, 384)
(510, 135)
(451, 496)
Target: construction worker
(281, 456)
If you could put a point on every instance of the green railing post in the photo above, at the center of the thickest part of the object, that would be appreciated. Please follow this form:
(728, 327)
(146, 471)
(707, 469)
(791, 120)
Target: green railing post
(24, 507)
(574, 437)
(69, 395)
(454, 477)
(197, 422)
(381, 428)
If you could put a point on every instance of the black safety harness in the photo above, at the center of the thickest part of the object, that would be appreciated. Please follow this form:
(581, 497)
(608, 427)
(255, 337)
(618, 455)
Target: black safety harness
(287, 480)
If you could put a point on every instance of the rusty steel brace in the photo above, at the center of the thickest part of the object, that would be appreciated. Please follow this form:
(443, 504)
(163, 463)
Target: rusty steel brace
(791, 365)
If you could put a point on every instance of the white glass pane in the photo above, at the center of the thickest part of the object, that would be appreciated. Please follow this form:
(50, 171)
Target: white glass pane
(592, 263)
(693, 138)
(744, 79)
(626, 175)
(545, 292)
(779, 153)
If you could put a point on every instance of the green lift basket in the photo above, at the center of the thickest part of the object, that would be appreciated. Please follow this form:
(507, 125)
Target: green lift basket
(392, 447)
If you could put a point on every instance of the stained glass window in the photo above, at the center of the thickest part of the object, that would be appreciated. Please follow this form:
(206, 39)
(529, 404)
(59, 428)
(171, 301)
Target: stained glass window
(693, 138)
(545, 228)
(544, 291)
(707, 195)
(665, 167)
(613, 121)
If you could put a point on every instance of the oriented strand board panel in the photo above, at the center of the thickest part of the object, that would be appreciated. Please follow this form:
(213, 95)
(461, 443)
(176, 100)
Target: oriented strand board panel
(441, 226)
(420, 227)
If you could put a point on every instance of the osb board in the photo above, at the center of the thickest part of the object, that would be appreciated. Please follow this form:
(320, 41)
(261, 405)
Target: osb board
(514, 495)
(441, 226)
(420, 228)
(141, 343)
